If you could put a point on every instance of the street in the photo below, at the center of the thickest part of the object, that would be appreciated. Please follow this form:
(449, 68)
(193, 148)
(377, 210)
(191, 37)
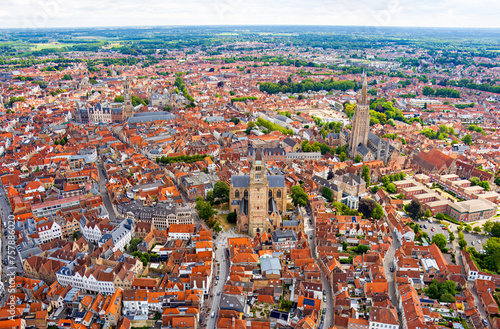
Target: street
(388, 263)
(221, 259)
(104, 192)
(330, 303)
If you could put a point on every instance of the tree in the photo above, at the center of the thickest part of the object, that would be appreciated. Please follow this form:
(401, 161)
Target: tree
(391, 188)
(342, 156)
(299, 197)
(75, 235)
(474, 181)
(462, 243)
(67, 77)
(488, 226)
(365, 174)
(361, 249)
(477, 229)
(232, 217)
(375, 189)
(452, 237)
(327, 193)
(205, 210)
(415, 210)
(467, 139)
(157, 316)
(447, 298)
(428, 213)
(366, 207)
(133, 244)
(306, 146)
(378, 212)
(440, 241)
(433, 291)
(428, 91)
(468, 228)
(221, 190)
(495, 230)
(484, 184)
(210, 197)
(234, 120)
(358, 158)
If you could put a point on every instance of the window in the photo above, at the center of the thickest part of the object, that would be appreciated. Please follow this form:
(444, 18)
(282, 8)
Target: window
(270, 193)
(245, 194)
(278, 194)
(237, 194)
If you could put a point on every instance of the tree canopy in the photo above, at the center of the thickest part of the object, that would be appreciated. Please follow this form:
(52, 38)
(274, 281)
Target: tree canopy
(440, 241)
(299, 197)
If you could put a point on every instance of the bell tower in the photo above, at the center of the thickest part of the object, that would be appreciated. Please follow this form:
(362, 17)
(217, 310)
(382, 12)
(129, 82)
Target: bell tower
(360, 121)
(258, 201)
(128, 110)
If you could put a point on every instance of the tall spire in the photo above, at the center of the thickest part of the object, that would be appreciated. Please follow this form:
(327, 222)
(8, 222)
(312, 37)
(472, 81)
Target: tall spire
(364, 92)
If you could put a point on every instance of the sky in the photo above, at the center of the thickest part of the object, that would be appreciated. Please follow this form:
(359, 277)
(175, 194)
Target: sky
(92, 13)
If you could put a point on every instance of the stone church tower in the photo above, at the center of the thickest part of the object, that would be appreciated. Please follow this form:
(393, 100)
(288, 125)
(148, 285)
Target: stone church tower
(128, 110)
(360, 121)
(258, 196)
(258, 199)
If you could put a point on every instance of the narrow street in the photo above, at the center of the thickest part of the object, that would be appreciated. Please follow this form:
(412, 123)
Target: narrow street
(224, 265)
(388, 263)
(330, 302)
(104, 192)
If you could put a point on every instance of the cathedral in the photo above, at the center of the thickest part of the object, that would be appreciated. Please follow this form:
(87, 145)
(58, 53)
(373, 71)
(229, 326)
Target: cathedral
(361, 141)
(258, 199)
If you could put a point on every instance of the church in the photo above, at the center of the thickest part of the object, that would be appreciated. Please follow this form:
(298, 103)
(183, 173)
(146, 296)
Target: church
(258, 199)
(361, 141)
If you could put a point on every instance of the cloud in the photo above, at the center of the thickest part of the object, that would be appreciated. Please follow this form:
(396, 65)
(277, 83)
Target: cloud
(74, 13)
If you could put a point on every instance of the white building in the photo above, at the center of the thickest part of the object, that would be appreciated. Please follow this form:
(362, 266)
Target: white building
(49, 231)
(120, 235)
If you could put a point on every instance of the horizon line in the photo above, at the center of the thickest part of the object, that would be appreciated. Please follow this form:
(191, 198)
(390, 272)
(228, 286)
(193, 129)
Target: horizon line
(245, 25)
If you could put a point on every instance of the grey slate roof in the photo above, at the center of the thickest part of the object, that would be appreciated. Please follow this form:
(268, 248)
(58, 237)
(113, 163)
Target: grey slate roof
(362, 149)
(276, 181)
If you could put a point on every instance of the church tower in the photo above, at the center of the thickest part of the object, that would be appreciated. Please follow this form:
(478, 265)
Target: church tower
(128, 110)
(258, 201)
(360, 121)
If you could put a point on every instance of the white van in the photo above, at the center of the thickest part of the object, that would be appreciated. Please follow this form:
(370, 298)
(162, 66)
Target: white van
(212, 315)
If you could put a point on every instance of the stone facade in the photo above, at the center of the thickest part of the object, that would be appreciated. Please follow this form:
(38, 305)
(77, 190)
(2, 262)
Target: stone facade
(258, 199)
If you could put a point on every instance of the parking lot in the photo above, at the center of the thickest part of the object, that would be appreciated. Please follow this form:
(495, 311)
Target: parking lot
(433, 226)
(478, 239)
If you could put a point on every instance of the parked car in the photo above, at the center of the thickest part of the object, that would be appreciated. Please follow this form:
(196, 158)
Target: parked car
(472, 243)
(444, 228)
(324, 299)
(217, 277)
(212, 315)
(479, 241)
(425, 225)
